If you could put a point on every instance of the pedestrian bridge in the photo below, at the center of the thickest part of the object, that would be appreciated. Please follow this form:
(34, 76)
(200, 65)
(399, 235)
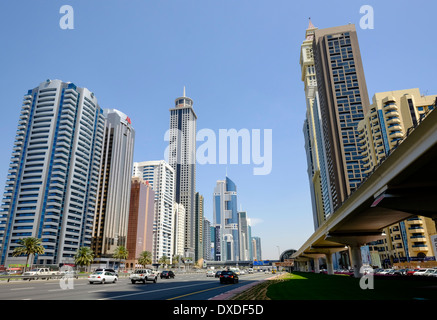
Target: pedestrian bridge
(402, 186)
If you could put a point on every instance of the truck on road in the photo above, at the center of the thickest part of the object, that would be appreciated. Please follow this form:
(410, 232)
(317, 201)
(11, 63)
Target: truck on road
(39, 273)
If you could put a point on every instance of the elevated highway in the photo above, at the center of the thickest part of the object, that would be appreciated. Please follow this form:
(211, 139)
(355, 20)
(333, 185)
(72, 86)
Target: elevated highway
(402, 186)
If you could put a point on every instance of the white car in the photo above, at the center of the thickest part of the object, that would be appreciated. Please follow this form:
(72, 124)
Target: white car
(210, 273)
(420, 272)
(143, 275)
(102, 277)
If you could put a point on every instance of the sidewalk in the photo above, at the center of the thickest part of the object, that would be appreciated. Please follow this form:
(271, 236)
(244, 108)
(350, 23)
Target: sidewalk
(229, 294)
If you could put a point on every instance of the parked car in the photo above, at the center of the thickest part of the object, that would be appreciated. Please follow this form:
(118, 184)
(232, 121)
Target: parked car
(420, 272)
(411, 272)
(430, 272)
(167, 274)
(217, 274)
(102, 277)
(228, 277)
(210, 273)
(143, 275)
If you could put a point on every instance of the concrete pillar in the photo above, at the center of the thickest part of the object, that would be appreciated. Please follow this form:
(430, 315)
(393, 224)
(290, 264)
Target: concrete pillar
(309, 265)
(316, 265)
(329, 265)
(356, 260)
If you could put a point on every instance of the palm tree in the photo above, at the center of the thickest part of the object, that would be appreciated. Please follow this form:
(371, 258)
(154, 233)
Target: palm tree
(29, 246)
(164, 260)
(120, 253)
(145, 258)
(84, 256)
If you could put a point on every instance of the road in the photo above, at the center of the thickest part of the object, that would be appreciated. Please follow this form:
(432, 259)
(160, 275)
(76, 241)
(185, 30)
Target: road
(195, 286)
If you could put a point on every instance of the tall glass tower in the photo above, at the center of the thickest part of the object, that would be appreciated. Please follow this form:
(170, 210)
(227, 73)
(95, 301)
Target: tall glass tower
(226, 220)
(182, 158)
(51, 188)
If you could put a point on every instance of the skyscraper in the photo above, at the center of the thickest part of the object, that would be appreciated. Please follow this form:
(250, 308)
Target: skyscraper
(226, 220)
(244, 236)
(182, 158)
(313, 133)
(160, 176)
(344, 100)
(112, 211)
(52, 183)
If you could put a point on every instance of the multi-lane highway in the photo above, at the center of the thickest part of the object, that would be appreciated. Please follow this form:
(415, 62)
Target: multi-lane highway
(195, 286)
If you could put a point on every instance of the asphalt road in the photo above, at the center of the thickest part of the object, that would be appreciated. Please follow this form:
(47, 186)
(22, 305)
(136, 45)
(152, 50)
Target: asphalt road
(183, 287)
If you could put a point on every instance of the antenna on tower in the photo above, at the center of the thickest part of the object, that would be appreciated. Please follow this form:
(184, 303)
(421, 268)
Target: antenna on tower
(184, 92)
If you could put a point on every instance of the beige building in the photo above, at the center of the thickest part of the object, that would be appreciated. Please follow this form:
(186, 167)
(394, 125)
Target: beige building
(387, 122)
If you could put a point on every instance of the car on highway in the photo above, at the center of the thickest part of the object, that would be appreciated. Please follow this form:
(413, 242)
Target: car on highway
(143, 275)
(217, 274)
(167, 274)
(430, 272)
(102, 277)
(107, 269)
(210, 273)
(228, 277)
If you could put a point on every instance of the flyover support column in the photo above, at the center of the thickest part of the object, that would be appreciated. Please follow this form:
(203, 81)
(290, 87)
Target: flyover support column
(329, 265)
(316, 265)
(356, 260)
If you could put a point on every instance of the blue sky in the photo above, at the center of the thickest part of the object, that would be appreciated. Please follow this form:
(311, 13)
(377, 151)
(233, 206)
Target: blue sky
(239, 61)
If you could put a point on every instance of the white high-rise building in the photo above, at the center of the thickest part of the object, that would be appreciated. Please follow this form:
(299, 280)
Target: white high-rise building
(160, 176)
(51, 188)
(179, 229)
(182, 157)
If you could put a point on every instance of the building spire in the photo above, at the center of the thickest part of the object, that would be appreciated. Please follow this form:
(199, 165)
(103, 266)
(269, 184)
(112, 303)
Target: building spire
(184, 92)
(310, 25)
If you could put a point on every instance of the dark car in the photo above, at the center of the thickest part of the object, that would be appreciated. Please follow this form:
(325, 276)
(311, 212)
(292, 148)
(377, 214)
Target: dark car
(228, 277)
(167, 274)
(217, 274)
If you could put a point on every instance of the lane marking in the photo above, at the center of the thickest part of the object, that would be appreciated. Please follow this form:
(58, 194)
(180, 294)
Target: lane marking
(27, 288)
(189, 294)
(151, 291)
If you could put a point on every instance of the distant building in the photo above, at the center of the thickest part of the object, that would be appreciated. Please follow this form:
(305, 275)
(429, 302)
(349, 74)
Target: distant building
(256, 242)
(160, 176)
(199, 233)
(226, 220)
(141, 215)
(179, 230)
(207, 239)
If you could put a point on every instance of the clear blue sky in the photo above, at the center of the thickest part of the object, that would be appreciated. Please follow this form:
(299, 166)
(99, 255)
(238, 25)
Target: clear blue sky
(239, 61)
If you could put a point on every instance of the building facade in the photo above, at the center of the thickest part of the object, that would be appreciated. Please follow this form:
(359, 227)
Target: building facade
(141, 215)
(388, 121)
(179, 230)
(199, 236)
(226, 221)
(51, 188)
(160, 176)
(112, 206)
(321, 198)
(182, 158)
(207, 240)
(343, 101)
